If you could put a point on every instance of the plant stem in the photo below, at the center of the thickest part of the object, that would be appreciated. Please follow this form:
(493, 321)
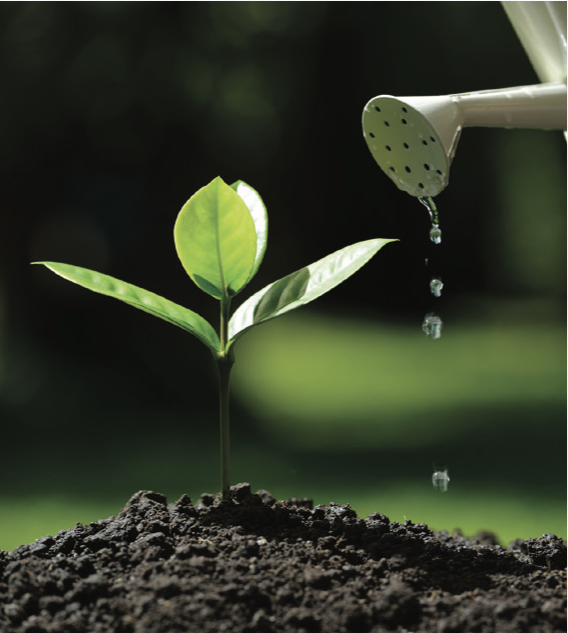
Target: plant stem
(224, 365)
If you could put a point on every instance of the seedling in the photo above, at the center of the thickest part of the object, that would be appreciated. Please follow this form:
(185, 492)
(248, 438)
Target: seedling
(220, 236)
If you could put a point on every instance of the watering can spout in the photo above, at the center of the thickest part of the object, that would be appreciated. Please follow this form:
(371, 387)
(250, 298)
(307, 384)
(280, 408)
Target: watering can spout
(414, 139)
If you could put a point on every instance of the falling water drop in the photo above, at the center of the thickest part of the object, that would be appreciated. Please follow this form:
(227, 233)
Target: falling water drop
(436, 234)
(436, 286)
(440, 480)
(432, 325)
(435, 231)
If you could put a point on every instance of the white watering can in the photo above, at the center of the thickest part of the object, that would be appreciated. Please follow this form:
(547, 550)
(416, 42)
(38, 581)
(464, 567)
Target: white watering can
(414, 139)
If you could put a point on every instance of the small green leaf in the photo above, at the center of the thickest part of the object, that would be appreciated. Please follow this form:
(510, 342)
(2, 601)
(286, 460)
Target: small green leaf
(259, 216)
(141, 299)
(282, 293)
(303, 286)
(216, 240)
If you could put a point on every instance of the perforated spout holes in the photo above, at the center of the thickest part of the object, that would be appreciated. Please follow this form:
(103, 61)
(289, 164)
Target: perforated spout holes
(405, 146)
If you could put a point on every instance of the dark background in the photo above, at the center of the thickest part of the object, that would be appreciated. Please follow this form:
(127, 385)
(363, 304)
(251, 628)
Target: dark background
(112, 114)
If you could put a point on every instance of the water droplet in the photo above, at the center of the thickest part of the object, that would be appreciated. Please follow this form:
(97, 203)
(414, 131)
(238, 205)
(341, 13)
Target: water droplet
(432, 325)
(436, 234)
(436, 286)
(435, 231)
(440, 480)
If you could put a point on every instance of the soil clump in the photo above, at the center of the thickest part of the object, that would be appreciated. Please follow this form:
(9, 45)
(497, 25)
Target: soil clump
(258, 565)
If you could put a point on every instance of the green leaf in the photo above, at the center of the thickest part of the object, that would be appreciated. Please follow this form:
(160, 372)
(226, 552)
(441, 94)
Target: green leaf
(303, 286)
(216, 240)
(141, 299)
(259, 216)
(281, 294)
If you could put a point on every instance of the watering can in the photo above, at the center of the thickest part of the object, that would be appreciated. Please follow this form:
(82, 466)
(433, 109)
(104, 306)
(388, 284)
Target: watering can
(414, 139)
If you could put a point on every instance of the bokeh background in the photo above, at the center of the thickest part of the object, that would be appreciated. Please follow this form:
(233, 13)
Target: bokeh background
(113, 113)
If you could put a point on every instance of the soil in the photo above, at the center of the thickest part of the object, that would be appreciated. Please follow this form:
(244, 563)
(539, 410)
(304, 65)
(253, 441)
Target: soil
(255, 564)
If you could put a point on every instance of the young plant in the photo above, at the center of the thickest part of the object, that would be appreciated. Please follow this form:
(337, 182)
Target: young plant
(220, 236)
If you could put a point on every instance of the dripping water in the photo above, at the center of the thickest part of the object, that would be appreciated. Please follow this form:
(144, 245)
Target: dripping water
(436, 286)
(440, 480)
(432, 325)
(435, 231)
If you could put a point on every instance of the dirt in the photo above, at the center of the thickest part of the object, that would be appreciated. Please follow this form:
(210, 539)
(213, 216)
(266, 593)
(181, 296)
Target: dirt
(255, 564)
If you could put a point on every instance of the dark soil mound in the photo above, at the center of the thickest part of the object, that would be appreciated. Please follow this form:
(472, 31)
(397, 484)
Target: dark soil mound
(258, 565)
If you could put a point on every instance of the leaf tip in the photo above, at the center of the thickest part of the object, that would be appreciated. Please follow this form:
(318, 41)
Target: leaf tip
(218, 179)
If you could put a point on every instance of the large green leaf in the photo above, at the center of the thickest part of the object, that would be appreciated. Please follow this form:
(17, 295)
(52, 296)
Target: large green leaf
(303, 286)
(141, 299)
(259, 216)
(216, 240)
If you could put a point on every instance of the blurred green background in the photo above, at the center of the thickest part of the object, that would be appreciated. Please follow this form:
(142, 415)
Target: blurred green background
(112, 114)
